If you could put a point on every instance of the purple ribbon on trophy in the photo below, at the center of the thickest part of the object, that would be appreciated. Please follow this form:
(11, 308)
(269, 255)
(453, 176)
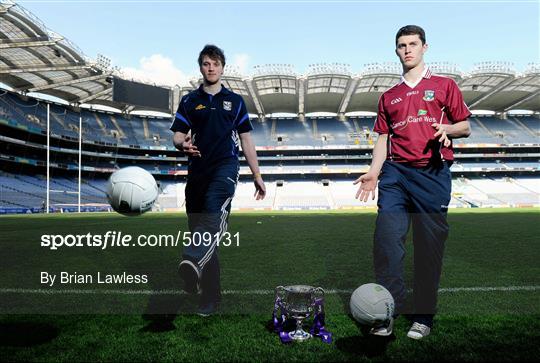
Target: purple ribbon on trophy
(296, 303)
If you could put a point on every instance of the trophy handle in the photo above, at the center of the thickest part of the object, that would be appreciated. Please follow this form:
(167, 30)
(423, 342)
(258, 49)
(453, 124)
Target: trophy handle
(318, 300)
(277, 316)
(318, 293)
(280, 292)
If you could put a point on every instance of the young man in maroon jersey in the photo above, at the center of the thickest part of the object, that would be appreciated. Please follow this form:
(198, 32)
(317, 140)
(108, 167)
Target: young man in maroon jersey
(416, 122)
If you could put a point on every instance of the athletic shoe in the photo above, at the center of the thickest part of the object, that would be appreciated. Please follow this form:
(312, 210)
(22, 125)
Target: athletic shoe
(383, 330)
(191, 275)
(207, 309)
(418, 331)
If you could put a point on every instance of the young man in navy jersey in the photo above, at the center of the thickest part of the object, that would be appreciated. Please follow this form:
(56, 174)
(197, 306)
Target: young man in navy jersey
(209, 125)
(416, 122)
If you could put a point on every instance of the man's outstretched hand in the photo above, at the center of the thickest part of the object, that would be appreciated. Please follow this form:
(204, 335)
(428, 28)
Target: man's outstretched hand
(368, 183)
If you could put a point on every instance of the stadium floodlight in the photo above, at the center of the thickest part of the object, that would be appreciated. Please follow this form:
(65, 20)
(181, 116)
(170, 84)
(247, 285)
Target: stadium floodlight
(532, 68)
(232, 71)
(494, 67)
(445, 68)
(274, 69)
(103, 62)
(377, 68)
(329, 68)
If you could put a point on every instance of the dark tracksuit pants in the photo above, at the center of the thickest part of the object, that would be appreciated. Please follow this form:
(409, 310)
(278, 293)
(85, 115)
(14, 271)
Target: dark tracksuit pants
(421, 196)
(208, 203)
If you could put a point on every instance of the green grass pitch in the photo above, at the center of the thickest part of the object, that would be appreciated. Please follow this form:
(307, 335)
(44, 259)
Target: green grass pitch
(486, 249)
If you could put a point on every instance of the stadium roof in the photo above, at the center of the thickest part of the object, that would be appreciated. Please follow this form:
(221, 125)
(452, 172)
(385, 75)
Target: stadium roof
(35, 59)
(277, 88)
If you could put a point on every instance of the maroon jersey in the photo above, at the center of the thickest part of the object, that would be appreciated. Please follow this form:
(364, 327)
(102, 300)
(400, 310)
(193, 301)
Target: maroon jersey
(407, 111)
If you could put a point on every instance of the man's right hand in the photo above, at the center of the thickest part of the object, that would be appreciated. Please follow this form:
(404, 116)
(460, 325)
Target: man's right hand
(189, 148)
(368, 183)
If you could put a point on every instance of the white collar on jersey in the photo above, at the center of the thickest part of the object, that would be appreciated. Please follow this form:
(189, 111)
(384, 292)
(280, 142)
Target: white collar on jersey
(426, 73)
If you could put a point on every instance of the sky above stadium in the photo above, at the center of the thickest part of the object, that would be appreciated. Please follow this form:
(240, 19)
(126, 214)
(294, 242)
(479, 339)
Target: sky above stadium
(160, 40)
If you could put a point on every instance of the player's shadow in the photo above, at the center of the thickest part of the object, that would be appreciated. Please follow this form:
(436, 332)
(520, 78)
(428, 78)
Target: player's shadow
(363, 344)
(366, 345)
(162, 307)
(158, 323)
(435, 160)
(26, 334)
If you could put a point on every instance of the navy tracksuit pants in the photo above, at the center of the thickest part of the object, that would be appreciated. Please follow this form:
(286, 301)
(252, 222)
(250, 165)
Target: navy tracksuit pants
(208, 204)
(419, 196)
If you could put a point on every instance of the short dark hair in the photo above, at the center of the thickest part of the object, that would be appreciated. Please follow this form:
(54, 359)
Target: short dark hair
(412, 30)
(213, 52)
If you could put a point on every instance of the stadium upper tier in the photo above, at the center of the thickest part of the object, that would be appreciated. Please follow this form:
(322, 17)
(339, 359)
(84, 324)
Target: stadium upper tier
(318, 132)
(36, 59)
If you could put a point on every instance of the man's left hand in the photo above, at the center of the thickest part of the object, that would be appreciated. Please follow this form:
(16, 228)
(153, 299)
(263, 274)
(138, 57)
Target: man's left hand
(260, 188)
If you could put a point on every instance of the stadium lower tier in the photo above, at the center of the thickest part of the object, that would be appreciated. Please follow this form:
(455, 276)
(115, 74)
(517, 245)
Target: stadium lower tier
(27, 194)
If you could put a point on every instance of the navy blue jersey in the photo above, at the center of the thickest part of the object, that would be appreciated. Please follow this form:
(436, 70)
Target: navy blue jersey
(215, 122)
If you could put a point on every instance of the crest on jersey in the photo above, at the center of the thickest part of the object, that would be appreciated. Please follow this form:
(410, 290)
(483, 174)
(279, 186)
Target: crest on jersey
(227, 105)
(429, 95)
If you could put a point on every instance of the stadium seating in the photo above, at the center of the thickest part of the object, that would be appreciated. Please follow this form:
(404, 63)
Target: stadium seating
(481, 134)
(531, 124)
(343, 195)
(159, 128)
(292, 132)
(171, 196)
(302, 195)
(28, 191)
(528, 183)
(314, 132)
(503, 192)
(262, 132)
(333, 131)
(243, 198)
(507, 130)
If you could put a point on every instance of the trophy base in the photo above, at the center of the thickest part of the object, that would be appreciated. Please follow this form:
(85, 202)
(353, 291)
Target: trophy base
(299, 335)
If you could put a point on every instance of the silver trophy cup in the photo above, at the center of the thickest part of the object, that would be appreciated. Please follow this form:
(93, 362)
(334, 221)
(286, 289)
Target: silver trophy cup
(298, 302)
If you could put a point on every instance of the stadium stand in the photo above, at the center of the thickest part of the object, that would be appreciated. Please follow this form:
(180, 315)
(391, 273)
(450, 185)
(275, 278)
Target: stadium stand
(531, 124)
(243, 198)
(262, 131)
(302, 195)
(343, 193)
(290, 131)
(29, 192)
(159, 129)
(506, 191)
(309, 161)
(333, 131)
(314, 132)
(507, 130)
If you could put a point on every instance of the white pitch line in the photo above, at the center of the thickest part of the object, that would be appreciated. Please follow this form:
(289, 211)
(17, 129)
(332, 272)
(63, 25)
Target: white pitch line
(238, 292)
(487, 289)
